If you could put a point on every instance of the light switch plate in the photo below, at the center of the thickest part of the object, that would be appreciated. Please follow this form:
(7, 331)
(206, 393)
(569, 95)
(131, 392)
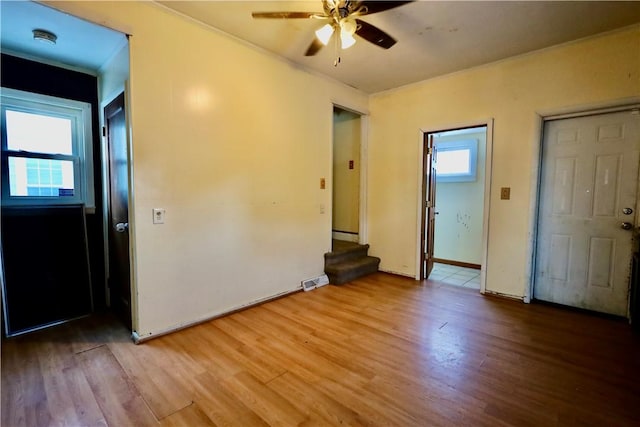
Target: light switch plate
(158, 215)
(505, 193)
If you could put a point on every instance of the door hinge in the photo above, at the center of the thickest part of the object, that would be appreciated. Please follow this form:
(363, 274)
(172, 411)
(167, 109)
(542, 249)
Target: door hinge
(428, 204)
(104, 131)
(429, 151)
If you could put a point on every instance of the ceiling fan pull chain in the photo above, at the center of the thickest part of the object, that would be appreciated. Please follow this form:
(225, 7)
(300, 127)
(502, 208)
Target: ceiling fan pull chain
(337, 45)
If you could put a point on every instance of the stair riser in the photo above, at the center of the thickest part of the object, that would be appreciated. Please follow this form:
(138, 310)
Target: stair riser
(334, 258)
(342, 273)
(348, 276)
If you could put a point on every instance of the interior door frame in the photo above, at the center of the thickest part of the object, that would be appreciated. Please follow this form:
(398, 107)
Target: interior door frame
(106, 207)
(488, 123)
(364, 137)
(628, 104)
(427, 234)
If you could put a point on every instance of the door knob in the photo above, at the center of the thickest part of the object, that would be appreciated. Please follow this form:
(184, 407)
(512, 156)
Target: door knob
(121, 227)
(627, 211)
(626, 226)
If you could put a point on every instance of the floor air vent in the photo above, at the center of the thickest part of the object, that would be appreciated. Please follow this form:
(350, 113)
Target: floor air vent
(310, 284)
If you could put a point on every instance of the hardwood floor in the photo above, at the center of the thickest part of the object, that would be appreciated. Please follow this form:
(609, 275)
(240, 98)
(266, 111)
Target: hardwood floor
(383, 350)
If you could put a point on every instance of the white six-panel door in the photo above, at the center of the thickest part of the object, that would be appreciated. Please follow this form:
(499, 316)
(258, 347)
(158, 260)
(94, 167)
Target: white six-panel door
(589, 184)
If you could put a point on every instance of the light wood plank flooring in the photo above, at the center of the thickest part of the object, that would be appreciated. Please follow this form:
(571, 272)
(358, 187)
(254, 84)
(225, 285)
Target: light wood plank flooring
(381, 351)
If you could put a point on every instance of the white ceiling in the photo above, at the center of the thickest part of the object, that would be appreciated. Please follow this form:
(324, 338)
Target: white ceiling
(80, 44)
(434, 38)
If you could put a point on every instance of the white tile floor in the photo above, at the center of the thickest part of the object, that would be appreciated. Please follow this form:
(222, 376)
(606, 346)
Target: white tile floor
(457, 276)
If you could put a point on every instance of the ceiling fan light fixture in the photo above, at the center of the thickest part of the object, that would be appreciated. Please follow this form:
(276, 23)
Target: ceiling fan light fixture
(347, 39)
(324, 34)
(343, 16)
(348, 26)
(347, 30)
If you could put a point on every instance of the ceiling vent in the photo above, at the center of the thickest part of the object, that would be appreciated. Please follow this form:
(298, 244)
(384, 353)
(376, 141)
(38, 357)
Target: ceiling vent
(44, 36)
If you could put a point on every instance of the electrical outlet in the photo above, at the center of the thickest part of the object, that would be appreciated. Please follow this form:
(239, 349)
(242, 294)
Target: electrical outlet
(158, 215)
(505, 193)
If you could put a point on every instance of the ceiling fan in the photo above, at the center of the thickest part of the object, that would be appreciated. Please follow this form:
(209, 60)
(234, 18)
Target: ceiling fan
(343, 17)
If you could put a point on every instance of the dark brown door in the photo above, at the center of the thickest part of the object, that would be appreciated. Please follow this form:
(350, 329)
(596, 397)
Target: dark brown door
(119, 280)
(429, 204)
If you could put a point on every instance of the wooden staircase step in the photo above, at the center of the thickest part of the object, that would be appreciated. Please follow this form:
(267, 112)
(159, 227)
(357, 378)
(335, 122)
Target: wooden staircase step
(349, 261)
(347, 271)
(346, 252)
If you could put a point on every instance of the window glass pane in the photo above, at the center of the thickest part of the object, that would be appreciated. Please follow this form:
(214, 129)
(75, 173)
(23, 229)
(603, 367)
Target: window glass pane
(38, 133)
(32, 174)
(56, 177)
(453, 162)
(40, 177)
(46, 140)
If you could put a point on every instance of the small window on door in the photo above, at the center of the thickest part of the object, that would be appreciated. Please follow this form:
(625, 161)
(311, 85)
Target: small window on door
(46, 150)
(457, 160)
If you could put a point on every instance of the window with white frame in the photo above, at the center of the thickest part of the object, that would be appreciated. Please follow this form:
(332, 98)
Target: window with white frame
(46, 150)
(457, 160)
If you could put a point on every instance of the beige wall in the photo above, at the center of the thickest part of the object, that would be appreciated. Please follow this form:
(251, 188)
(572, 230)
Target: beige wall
(232, 143)
(460, 207)
(346, 182)
(514, 92)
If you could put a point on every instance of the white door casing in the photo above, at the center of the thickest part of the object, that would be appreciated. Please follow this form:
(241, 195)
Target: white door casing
(589, 175)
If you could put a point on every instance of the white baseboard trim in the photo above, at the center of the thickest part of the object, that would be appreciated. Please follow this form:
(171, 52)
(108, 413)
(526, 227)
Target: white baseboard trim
(345, 237)
(397, 273)
(501, 295)
(138, 339)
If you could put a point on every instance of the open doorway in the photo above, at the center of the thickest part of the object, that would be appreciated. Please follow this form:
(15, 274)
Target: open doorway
(67, 185)
(117, 207)
(349, 257)
(114, 92)
(454, 223)
(347, 136)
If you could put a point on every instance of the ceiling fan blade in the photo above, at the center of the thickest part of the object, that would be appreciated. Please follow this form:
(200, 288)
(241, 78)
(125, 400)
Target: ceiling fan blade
(380, 6)
(287, 15)
(374, 35)
(314, 47)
